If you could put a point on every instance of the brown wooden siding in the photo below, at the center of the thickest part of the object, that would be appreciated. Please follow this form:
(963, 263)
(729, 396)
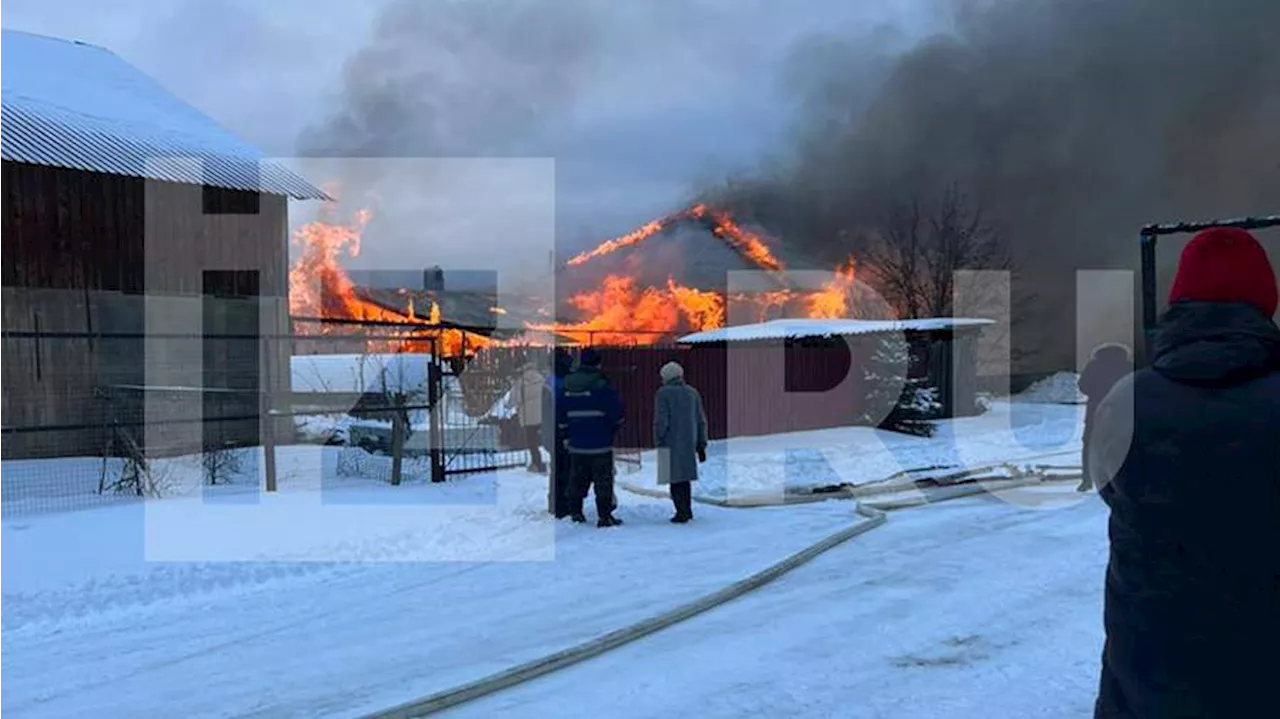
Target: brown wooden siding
(79, 250)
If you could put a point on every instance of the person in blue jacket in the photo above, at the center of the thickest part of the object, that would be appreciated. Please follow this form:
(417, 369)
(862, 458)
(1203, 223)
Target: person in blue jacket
(553, 438)
(589, 413)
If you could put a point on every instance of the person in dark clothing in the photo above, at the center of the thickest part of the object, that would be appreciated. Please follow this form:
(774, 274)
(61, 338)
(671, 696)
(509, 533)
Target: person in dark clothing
(1109, 363)
(680, 436)
(553, 438)
(590, 412)
(1185, 454)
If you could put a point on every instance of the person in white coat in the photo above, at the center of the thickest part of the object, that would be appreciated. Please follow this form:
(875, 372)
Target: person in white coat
(528, 402)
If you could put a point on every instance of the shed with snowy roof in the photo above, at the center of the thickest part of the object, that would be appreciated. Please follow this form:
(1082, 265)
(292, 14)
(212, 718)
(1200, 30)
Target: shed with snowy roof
(790, 375)
(115, 190)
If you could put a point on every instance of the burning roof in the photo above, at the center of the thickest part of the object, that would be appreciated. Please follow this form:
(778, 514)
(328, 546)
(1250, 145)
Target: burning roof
(619, 308)
(616, 307)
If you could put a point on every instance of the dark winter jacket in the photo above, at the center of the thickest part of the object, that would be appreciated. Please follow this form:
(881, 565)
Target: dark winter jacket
(1107, 366)
(552, 436)
(1193, 584)
(590, 412)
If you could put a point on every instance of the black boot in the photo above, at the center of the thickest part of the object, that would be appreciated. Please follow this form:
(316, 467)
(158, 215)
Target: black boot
(682, 498)
(609, 522)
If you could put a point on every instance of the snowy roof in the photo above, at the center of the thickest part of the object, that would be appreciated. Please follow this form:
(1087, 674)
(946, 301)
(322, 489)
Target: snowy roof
(796, 328)
(79, 106)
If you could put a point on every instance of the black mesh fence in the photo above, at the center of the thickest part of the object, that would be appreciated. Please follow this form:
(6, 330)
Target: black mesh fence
(99, 417)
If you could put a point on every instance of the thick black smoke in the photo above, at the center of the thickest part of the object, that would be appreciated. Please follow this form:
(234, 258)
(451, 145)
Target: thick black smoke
(1073, 122)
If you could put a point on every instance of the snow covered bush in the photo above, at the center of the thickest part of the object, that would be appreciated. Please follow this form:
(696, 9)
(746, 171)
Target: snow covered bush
(894, 401)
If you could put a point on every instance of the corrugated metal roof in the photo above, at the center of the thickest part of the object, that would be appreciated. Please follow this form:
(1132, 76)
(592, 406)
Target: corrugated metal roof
(797, 328)
(79, 106)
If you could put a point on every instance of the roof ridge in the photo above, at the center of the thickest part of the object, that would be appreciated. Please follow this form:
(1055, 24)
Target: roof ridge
(55, 38)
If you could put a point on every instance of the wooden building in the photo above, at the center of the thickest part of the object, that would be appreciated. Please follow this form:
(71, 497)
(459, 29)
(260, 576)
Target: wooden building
(793, 375)
(145, 260)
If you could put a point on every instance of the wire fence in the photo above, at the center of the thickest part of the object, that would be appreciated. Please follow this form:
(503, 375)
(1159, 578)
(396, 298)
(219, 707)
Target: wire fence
(100, 417)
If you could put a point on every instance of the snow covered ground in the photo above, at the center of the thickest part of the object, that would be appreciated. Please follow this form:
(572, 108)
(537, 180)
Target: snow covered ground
(338, 596)
(970, 608)
(765, 468)
(91, 628)
(973, 608)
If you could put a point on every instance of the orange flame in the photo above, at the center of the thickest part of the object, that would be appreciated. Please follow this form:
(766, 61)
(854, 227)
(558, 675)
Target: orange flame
(701, 310)
(621, 312)
(618, 312)
(631, 238)
(832, 301)
(748, 244)
(745, 243)
(320, 288)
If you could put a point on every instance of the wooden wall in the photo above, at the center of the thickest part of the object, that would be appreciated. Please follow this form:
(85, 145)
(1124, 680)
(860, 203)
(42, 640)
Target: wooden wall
(93, 255)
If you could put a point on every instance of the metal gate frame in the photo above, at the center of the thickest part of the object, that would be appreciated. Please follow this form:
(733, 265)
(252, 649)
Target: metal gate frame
(443, 459)
(1147, 239)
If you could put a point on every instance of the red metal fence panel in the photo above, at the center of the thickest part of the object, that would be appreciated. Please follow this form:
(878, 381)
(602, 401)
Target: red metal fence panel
(746, 390)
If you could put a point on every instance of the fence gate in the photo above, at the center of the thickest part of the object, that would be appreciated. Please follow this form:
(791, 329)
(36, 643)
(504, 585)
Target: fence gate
(474, 414)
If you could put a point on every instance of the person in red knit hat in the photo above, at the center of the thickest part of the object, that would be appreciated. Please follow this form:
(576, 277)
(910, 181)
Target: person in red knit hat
(1186, 455)
(1226, 265)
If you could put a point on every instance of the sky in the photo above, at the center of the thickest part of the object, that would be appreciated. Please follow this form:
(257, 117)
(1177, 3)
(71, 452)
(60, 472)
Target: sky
(640, 104)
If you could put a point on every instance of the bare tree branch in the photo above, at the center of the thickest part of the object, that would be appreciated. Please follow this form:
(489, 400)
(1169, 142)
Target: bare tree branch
(916, 250)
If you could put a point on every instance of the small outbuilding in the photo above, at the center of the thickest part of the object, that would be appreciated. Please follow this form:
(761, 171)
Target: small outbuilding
(792, 375)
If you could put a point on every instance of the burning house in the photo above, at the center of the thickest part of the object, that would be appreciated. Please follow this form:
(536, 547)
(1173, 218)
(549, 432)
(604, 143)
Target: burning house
(768, 359)
(659, 293)
(414, 311)
(136, 229)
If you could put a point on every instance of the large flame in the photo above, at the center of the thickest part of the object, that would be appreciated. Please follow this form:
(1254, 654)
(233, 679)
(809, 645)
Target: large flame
(619, 311)
(745, 243)
(832, 301)
(320, 289)
(634, 237)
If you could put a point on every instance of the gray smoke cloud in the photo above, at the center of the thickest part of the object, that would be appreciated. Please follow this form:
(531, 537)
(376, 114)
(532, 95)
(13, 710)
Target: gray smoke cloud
(1073, 122)
(638, 103)
(459, 79)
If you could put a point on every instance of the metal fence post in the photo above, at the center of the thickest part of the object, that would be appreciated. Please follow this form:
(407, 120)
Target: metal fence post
(1147, 242)
(398, 422)
(267, 425)
(435, 378)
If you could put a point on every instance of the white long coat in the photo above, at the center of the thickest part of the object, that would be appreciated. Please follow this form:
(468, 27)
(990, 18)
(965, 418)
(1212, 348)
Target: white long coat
(528, 397)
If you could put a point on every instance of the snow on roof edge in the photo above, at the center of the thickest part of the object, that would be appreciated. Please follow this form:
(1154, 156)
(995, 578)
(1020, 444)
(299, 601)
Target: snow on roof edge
(77, 105)
(797, 328)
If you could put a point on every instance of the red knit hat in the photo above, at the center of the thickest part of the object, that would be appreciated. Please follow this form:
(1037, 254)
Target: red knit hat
(1225, 264)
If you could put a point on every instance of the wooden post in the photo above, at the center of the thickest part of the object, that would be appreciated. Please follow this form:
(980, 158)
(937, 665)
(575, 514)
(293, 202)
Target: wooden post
(398, 421)
(267, 423)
